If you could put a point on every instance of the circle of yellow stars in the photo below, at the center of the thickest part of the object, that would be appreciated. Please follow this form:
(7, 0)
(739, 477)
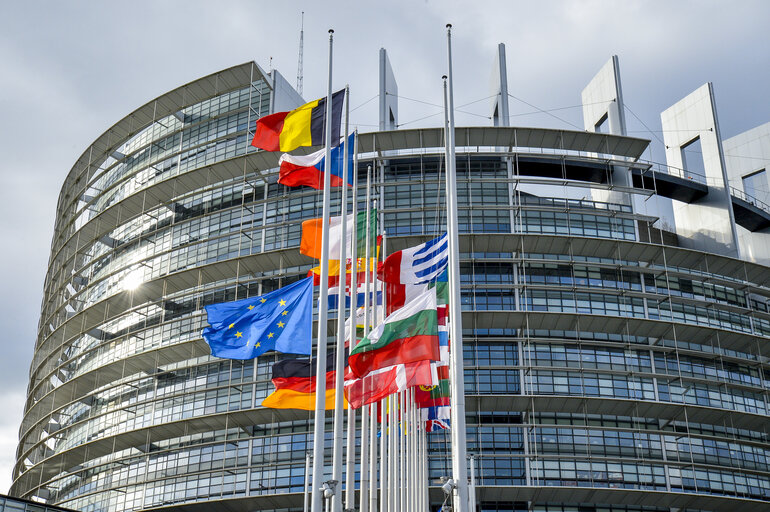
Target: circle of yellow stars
(270, 335)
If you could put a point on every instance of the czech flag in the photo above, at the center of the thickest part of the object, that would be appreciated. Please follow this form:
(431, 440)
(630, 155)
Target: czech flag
(309, 169)
(303, 126)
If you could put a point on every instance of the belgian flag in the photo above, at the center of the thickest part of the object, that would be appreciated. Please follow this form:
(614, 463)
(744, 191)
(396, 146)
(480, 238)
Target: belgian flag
(294, 381)
(303, 126)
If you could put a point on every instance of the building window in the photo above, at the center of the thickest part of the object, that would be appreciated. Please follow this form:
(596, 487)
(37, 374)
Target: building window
(692, 158)
(757, 186)
(603, 125)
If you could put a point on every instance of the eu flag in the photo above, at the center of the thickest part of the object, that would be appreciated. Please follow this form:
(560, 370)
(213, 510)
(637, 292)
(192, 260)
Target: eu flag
(281, 320)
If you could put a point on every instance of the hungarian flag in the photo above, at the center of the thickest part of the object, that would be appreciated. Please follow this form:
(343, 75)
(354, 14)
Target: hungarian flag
(309, 169)
(294, 381)
(380, 383)
(303, 126)
(310, 243)
(408, 335)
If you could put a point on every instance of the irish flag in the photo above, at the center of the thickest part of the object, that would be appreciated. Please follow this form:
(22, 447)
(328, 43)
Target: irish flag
(310, 243)
(407, 336)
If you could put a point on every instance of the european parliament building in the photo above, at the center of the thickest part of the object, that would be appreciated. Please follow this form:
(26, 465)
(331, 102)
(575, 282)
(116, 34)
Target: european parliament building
(615, 311)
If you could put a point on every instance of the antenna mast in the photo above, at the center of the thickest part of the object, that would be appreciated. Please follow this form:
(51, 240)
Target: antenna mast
(299, 60)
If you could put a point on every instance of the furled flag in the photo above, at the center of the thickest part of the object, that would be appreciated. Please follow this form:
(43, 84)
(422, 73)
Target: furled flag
(303, 126)
(294, 381)
(310, 243)
(436, 425)
(434, 401)
(361, 321)
(408, 335)
(334, 272)
(442, 313)
(309, 169)
(380, 383)
(418, 264)
(438, 412)
(281, 320)
(437, 395)
(334, 296)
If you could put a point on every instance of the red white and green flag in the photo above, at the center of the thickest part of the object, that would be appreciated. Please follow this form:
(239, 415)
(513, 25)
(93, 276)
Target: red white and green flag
(407, 336)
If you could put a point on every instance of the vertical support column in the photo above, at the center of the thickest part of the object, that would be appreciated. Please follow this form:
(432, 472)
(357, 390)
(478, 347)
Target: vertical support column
(706, 223)
(747, 161)
(388, 94)
(500, 114)
(603, 112)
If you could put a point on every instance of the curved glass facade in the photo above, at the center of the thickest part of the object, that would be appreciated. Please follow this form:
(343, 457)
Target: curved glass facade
(601, 365)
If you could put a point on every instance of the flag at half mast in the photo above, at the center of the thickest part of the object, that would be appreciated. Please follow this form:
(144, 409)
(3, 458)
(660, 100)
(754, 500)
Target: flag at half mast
(309, 169)
(378, 384)
(407, 336)
(310, 243)
(280, 320)
(303, 126)
(415, 265)
(295, 381)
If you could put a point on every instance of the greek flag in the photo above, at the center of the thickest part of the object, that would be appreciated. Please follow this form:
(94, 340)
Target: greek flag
(416, 265)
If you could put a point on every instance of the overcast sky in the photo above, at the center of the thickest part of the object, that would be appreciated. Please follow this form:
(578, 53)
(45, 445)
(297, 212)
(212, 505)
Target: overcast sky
(69, 70)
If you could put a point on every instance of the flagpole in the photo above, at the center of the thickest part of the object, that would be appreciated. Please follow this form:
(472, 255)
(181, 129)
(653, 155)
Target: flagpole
(459, 468)
(350, 471)
(339, 411)
(323, 304)
(409, 480)
(386, 503)
(373, 418)
(364, 467)
(383, 456)
(412, 452)
(305, 500)
(384, 248)
(363, 497)
(417, 459)
(373, 457)
(402, 449)
(425, 475)
(393, 475)
(420, 476)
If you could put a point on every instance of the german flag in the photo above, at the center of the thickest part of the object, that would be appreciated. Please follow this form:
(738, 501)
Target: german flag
(294, 381)
(303, 126)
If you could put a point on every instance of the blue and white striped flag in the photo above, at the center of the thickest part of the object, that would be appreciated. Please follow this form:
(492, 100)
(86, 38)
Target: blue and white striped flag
(416, 265)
